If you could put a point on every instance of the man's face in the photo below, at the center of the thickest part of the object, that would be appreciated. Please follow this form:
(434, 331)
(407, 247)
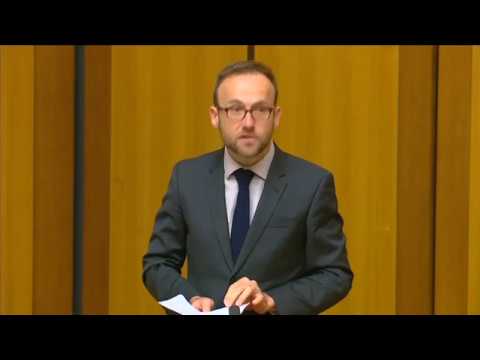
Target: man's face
(247, 140)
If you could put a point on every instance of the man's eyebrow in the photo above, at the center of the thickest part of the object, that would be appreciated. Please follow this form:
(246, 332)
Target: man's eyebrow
(235, 102)
(261, 102)
(238, 102)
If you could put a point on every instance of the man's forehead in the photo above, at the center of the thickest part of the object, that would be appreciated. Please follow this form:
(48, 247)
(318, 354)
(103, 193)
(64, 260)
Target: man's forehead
(246, 77)
(250, 83)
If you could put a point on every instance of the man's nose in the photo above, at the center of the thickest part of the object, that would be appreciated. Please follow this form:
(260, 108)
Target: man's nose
(248, 121)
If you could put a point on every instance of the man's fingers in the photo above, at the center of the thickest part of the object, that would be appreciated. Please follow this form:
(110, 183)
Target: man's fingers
(207, 304)
(258, 298)
(235, 290)
(241, 292)
(232, 295)
(196, 303)
(253, 292)
(202, 303)
(244, 296)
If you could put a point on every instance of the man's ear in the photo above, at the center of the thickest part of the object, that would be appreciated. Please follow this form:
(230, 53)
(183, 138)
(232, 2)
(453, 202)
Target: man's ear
(213, 116)
(278, 115)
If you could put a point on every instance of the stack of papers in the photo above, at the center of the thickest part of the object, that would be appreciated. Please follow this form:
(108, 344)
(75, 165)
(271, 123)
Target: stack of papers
(181, 306)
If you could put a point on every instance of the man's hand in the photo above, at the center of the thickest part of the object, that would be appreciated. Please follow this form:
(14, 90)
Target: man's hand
(202, 303)
(247, 291)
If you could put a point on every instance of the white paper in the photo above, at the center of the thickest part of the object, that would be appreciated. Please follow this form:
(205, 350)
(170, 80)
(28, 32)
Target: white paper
(181, 306)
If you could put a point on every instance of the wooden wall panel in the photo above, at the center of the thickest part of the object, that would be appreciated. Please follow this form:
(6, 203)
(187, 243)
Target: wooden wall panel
(96, 230)
(36, 167)
(416, 179)
(16, 176)
(474, 192)
(345, 108)
(157, 114)
(452, 184)
(457, 236)
(54, 179)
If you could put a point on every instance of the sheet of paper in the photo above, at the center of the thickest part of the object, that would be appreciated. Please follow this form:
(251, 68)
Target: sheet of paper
(181, 306)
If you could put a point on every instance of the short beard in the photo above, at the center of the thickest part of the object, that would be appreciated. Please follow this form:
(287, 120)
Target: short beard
(233, 148)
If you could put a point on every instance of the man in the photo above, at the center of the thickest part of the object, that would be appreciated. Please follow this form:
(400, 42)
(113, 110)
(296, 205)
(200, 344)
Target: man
(259, 226)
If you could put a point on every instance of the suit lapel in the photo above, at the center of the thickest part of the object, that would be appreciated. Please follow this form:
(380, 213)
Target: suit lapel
(274, 186)
(218, 212)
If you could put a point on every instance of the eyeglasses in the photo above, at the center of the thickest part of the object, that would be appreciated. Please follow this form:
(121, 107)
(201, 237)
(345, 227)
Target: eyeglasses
(238, 113)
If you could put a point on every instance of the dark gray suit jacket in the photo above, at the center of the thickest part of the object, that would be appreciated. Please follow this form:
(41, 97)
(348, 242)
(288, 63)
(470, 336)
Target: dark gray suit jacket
(294, 249)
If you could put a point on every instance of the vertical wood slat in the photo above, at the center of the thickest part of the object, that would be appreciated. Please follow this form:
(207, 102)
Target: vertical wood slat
(452, 179)
(16, 178)
(457, 224)
(53, 174)
(416, 179)
(96, 232)
(474, 191)
(36, 176)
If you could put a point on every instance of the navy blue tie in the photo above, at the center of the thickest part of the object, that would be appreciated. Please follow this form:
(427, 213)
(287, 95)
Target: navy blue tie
(241, 216)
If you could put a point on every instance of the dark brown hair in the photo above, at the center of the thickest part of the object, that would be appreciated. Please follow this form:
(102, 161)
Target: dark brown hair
(245, 67)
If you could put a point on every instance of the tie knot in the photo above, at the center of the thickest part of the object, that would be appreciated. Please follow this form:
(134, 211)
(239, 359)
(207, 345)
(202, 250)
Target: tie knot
(243, 177)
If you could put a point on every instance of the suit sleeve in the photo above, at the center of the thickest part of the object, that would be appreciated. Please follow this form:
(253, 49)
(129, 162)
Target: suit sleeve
(327, 278)
(167, 248)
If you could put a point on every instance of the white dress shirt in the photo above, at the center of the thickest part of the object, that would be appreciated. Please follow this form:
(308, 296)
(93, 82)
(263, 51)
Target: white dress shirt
(260, 169)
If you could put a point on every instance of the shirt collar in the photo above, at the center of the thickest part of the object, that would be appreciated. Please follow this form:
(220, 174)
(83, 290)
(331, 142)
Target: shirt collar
(260, 168)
